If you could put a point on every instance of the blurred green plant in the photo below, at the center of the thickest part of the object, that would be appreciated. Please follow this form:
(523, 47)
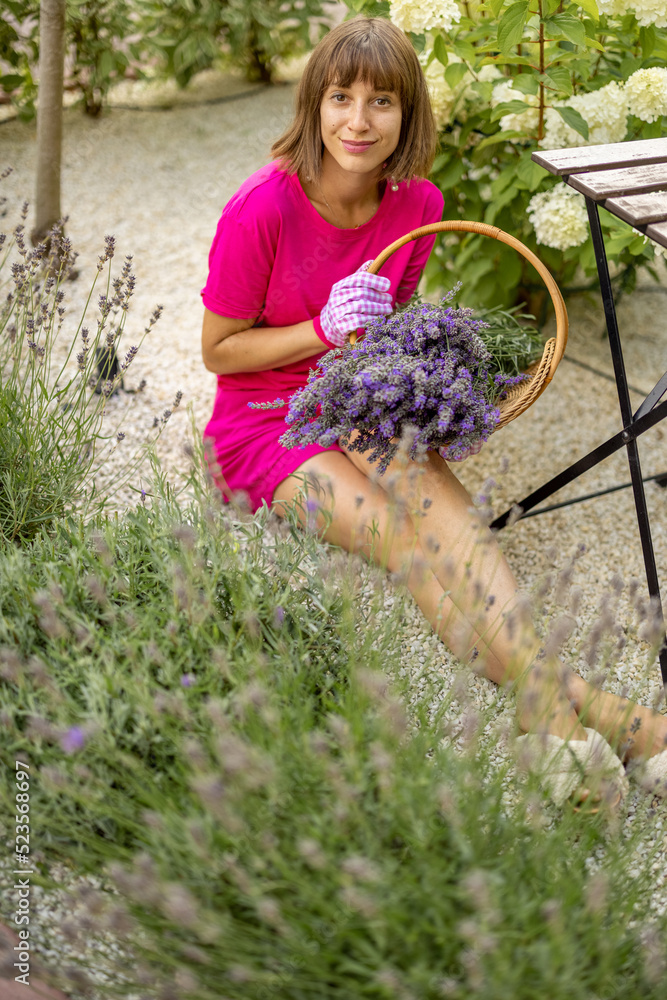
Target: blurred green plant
(188, 37)
(104, 38)
(54, 435)
(19, 53)
(183, 36)
(508, 77)
(200, 700)
(262, 32)
(109, 39)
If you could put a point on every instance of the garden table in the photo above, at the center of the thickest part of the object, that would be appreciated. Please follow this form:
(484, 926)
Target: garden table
(629, 180)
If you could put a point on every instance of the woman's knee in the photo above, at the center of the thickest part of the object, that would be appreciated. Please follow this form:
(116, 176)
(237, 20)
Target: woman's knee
(340, 502)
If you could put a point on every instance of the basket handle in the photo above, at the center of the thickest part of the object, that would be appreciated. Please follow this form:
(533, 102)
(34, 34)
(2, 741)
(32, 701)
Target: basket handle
(483, 229)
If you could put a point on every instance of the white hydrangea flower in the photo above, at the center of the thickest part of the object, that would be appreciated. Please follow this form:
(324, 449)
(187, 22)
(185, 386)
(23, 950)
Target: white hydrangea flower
(489, 72)
(526, 121)
(646, 11)
(646, 91)
(605, 110)
(461, 100)
(443, 98)
(424, 15)
(559, 217)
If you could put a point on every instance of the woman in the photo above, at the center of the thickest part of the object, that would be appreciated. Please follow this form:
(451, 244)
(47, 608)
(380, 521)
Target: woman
(287, 282)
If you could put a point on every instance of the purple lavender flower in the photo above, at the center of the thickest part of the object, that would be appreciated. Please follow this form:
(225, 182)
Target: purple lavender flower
(74, 739)
(187, 680)
(425, 367)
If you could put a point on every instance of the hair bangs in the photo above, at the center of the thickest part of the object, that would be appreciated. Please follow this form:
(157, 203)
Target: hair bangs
(369, 60)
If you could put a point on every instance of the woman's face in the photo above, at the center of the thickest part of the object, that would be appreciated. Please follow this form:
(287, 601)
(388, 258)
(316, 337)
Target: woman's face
(361, 126)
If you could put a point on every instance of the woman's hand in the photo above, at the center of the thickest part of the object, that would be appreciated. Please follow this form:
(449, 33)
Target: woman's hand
(352, 303)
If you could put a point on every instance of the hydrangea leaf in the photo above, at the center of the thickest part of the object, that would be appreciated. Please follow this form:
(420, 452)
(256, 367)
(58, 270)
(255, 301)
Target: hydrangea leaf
(495, 6)
(508, 108)
(440, 50)
(455, 73)
(590, 7)
(419, 41)
(503, 136)
(451, 174)
(572, 118)
(525, 83)
(531, 173)
(569, 26)
(647, 40)
(464, 50)
(560, 77)
(511, 25)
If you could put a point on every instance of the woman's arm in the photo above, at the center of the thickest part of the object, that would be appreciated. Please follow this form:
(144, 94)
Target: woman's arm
(232, 345)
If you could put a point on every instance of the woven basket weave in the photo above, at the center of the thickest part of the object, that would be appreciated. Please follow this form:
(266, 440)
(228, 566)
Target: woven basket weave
(519, 397)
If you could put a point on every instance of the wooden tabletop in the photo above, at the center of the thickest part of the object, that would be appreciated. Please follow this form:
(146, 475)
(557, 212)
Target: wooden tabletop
(629, 179)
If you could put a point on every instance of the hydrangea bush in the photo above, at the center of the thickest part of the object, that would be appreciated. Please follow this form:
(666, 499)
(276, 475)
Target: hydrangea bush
(509, 77)
(424, 373)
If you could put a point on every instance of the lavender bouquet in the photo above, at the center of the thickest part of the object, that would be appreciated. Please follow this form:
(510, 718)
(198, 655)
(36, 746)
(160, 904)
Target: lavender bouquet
(426, 369)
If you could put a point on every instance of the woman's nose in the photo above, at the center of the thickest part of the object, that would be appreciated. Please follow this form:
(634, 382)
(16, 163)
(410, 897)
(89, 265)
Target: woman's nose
(358, 120)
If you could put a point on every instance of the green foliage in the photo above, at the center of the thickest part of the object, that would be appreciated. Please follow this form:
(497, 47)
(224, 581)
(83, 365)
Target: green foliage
(54, 439)
(189, 35)
(106, 39)
(101, 45)
(200, 703)
(514, 76)
(513, 343)
(260, 32)
(183, 35)
(18, 54)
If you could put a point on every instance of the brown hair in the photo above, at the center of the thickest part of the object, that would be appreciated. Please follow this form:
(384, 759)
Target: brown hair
(377, 52)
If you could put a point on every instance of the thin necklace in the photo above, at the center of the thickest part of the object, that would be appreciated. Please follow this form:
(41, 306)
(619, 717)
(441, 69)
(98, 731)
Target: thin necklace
(335, 217)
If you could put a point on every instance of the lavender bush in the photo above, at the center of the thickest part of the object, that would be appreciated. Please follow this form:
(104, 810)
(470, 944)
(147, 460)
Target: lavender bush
(57, 435)
(266, 814)
(424, 371)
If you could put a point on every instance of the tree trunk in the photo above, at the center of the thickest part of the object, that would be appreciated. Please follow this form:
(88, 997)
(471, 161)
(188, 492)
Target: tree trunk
(49, 117)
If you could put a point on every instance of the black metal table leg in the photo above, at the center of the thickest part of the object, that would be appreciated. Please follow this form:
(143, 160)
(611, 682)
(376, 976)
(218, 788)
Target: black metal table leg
(632, 446)
(582, 465)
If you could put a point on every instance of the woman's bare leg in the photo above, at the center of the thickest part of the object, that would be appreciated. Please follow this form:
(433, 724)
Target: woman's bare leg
(634, 731)
(480, 614)
(550, 696)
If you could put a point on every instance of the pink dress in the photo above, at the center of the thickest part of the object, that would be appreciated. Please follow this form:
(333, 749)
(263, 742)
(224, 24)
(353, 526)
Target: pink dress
(274, 260)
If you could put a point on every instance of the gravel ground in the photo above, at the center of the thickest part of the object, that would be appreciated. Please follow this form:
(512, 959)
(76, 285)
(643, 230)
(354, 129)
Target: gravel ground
(158, 179)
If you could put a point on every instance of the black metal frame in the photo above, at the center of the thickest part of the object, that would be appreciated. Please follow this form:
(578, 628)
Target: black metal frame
(649, 413)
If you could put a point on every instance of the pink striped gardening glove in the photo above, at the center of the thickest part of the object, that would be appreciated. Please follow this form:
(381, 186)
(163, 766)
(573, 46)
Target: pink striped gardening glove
(352, 303)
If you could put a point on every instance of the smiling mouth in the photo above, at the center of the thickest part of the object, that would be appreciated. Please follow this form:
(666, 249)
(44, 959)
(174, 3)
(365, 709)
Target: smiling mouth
(356, 147)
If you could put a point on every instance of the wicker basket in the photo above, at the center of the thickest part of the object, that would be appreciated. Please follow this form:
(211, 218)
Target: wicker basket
(521, 396)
